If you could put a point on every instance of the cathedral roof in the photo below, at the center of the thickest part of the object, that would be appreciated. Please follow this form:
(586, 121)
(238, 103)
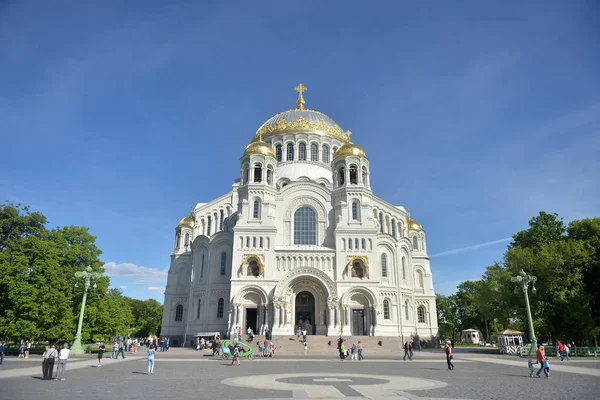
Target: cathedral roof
(301, 120)
(350, 149)
(259, 147)
(412, 224)
(188, 221)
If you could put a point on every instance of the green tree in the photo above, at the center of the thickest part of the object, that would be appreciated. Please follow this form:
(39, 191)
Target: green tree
(447, 316)
(543, 229)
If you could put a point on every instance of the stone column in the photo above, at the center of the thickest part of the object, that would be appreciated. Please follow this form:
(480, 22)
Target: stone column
(267, 319)
(275, 315)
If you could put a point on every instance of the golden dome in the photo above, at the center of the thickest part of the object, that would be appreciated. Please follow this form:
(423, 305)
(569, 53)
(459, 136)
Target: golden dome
(188, 222)
(259, 147)
(412, 224)
(350, 149)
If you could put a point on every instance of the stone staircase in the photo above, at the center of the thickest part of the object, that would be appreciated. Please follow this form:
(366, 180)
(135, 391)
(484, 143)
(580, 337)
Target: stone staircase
(327, 345)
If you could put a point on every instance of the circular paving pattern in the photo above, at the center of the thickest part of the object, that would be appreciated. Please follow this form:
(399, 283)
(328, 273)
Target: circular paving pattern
(336, 385)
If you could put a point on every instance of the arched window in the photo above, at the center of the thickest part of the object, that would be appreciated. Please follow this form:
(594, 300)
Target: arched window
(198, 311)
(290, 151)
(253, 269)
(386, 309)
(325, 155)
(314, 152)
(302, 152)
(256, 209)
(415, 243)
(269, 175)
(341, 176)
(221, 217)
(305, 226)
(246, 172)
(357, 270)
(381, 222)
(220, 307)
(365, 176)
(350, 244)
(186, 241)
(384, 265)
(257, 173)
(179, 313)
(403, 267)
(419, 279)
(177, 241)
(223, 262)
(335, 150)
(364, 244)
(202, 267)
(406, 314)
(355, 210)
(353, 175)
(278, 152)
(254, 242)
(394, 228)
(208, 227)
(260, 242)
(421, 314)
(356, 243)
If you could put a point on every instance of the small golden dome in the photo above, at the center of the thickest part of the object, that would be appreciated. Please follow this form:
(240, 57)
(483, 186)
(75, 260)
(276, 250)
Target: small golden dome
(350, 149)
(413, 225)
(188, 222)
(259, 147)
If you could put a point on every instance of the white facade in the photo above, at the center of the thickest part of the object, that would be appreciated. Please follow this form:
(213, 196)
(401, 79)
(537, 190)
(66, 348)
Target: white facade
(300, 239)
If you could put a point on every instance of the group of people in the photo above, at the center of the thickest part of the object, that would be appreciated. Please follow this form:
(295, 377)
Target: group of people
(355, 352)
(542, 360)
(266, 348)
(52, 357)
(563, 351)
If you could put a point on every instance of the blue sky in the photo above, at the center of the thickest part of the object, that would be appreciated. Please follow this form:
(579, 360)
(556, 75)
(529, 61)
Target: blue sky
(119, 115)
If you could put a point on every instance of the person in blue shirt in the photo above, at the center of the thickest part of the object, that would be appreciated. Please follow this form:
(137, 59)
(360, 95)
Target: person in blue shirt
(151, 352)
(1, 353)
(531, 368)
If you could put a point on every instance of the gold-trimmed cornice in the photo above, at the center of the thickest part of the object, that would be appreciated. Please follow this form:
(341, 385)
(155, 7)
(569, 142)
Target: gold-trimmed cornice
(302, 121)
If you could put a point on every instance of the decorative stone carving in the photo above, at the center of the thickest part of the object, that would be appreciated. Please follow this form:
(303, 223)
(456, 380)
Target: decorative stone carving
(284, 283)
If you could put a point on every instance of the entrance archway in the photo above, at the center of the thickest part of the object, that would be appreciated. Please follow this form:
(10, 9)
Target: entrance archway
(305, 312)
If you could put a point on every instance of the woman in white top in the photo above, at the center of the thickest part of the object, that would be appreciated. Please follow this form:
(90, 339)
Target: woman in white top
(63, 356)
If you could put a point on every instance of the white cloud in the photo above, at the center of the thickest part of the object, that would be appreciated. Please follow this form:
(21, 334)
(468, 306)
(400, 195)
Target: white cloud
(122, 287)
(156, 288)
(470, 248)
(136, 273)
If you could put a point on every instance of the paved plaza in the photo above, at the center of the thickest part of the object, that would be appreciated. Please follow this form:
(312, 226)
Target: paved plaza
(187, 374)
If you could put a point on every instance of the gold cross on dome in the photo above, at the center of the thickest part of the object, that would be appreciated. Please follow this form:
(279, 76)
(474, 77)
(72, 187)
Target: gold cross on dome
(300, 102)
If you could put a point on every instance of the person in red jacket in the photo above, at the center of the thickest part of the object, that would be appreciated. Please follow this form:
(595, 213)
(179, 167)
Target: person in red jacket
(449, 357)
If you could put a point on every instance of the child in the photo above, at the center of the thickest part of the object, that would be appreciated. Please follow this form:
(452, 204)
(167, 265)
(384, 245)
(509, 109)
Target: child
(547, 368)
(151, 352)
(305, 346)
(260, 348)
(236, 355)
(531, 368)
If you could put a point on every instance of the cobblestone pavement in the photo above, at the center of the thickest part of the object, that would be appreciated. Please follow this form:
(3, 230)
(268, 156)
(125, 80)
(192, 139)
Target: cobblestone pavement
(181, 376)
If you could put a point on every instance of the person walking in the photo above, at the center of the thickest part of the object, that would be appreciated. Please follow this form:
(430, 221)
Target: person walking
(150, 352)
(304, 335)
(449, 357)
(63, 356)
(560, 351)
(342, 351)
(305, 347)
(406, 351)
(236, 355)
(115, 349)
(541, 357)
(1, 352)
(101, 350)
(360, 356)
(354, 352)
(567, 351)
(121, 351)
(51, 356)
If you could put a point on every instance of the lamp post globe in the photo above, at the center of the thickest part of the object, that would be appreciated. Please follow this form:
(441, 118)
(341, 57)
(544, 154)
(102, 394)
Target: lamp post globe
(88, 275)
(523, 280)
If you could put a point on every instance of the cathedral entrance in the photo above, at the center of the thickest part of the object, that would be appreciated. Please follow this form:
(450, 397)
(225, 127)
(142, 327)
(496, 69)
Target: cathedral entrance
(251, 320)
(358, 323)
(305, 312)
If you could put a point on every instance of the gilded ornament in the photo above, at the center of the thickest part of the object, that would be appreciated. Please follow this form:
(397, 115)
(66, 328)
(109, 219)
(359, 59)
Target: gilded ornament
(259, 147)
(259, 260)
(301, 124)
(187, 222)
(412, 224)
(361, 259)
(300, 102)
(350, 149)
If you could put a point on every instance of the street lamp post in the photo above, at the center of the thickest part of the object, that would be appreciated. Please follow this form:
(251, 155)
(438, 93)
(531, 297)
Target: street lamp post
(524, 280)
(87, 275)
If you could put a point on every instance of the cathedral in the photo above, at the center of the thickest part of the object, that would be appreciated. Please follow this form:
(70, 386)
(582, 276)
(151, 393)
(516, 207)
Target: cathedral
(301, 240)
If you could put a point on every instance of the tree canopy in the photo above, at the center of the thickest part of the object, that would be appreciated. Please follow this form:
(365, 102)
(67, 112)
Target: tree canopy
(565, 306)
(39, 297)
